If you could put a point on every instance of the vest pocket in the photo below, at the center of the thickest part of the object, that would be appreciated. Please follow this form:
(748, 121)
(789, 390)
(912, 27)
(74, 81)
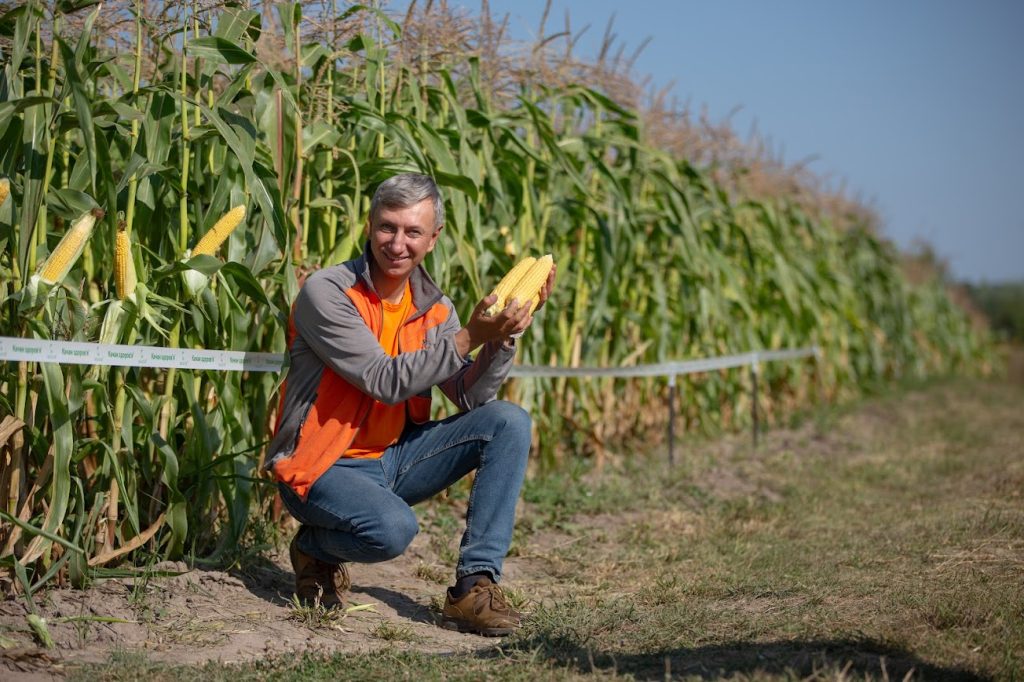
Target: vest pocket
(419, 408)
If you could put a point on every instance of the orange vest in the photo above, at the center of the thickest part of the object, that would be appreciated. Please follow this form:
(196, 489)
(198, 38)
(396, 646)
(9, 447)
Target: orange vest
(340, 408)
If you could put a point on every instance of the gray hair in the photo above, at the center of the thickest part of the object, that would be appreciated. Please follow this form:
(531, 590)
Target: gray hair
(405, 190)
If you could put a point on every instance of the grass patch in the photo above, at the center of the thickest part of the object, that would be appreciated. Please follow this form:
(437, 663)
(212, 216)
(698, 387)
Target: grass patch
(434, 574)
(394, 632)
(385, 664)
(315, 615)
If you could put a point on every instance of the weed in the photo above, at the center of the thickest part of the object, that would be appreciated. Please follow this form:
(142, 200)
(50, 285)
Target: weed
(394, 632)
(517, 599)
(442, 528)
(315, 615)
(432, 573)
(446, 549)
(437, 603)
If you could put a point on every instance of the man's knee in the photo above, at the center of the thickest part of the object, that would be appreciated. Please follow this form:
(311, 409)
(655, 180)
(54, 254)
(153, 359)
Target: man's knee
(397, 529)
(510, 420)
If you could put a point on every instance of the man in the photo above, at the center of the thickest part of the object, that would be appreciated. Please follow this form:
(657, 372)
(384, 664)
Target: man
(354, 448)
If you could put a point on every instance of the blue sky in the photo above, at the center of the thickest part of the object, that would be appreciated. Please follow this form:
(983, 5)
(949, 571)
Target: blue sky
(918, 105)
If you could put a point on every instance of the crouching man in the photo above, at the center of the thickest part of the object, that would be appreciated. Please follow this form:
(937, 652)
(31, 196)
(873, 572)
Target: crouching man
(355, 448)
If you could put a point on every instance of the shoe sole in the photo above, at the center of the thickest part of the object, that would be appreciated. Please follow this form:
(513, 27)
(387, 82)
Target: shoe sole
(459, 626)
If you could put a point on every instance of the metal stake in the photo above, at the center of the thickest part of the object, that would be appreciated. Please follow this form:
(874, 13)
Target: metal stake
(753, 403)
(671, 419)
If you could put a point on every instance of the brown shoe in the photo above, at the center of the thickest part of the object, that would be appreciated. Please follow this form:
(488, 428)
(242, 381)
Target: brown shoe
(482, 610)
(318, 581)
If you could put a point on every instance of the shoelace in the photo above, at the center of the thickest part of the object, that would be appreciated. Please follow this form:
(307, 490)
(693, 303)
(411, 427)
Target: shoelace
(496, 597)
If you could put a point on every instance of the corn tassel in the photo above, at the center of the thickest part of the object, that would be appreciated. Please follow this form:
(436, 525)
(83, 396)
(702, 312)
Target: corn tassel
(527, 290)
(5, 190)
(124, 265)
(60, 262)
(212, 240)
(508, 283)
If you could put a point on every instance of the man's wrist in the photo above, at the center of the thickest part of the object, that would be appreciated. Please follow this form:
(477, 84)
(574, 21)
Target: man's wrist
(462, 342)
(465, 342)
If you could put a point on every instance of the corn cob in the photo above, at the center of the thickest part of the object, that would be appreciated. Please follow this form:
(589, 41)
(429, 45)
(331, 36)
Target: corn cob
(5, 189)
(507, 283)
(124, 266)
(60, 262)
(527, 290)
(212, 240)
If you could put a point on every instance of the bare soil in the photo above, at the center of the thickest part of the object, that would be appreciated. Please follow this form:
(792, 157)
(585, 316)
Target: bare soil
(180, 615)
(237, 615)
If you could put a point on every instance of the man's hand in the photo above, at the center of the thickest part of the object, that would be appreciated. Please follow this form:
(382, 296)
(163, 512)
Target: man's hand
(481, 328)
(509, 323)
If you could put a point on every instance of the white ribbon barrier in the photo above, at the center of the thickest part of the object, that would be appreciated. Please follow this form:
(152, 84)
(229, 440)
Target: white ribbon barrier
(669, 369)
(81, 353)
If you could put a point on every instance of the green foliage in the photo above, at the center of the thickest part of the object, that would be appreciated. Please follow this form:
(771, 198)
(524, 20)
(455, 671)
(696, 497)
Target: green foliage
(1003, 305)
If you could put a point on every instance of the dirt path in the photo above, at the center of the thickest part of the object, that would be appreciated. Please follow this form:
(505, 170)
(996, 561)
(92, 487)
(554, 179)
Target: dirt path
(204, 615)
(184, 616)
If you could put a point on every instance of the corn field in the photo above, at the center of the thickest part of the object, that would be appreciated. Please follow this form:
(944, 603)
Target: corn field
(153, 120)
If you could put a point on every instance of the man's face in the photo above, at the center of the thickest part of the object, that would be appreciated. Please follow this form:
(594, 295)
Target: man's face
(400, 238)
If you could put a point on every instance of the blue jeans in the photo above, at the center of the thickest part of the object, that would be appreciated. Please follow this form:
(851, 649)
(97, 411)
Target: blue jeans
(359, 509)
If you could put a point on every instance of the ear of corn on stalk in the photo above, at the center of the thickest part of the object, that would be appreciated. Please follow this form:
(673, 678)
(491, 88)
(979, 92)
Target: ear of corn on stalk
(110, 329)
(527, 289)
(60, 262)
(5, 190)
(508, 283)
(212, 240)
(124, 265)
(195, 282)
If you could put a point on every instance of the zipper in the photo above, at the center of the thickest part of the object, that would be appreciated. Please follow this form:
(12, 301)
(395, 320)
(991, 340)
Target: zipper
(380, 309)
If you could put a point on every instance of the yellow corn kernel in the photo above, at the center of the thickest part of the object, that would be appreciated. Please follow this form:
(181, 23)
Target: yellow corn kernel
(212, 240)
(527, 290)
(124, 266)
(5, 189)
(507, 283)
(59, 263)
